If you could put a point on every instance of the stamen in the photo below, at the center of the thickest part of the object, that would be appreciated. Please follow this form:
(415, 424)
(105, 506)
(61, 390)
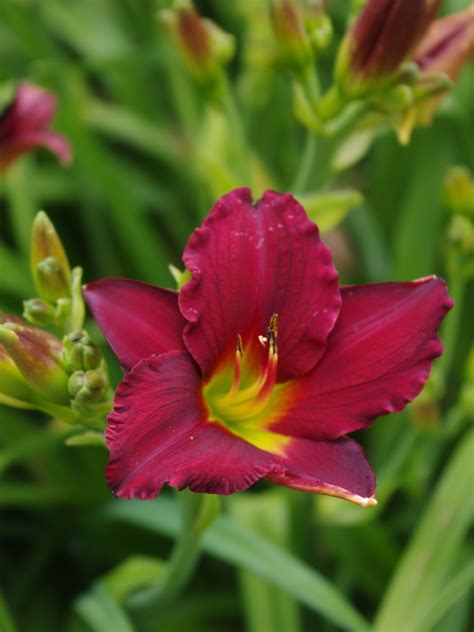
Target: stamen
(239, 352)
(272, 362)
(244, 405)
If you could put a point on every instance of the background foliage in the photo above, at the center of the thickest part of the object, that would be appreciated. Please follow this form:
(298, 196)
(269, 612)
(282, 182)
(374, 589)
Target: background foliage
(150, 158)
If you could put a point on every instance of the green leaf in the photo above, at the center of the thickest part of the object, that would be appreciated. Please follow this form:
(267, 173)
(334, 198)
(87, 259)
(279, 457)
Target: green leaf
(102, 612)
(6, 621)
(239, 546)
(329, 209)
(136, 572)
(266, 607)
(423, 571)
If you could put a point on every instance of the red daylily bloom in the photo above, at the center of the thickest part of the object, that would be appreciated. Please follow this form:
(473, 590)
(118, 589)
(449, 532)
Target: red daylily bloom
(261, 364)
(24, 126)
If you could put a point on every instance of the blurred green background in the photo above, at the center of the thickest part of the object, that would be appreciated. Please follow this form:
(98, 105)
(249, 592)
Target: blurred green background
(151, 156)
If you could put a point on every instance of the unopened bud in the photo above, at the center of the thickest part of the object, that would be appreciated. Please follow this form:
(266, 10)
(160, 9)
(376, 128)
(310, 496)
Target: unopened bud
(180, 276)
(395, 99)
(205, 47)
(88, 386)
(293, 41)
(38, 312)
(318, 25)
(458, 191)
(36, 354)
(79, 352)
(51, 280)
(49, 263)
(12, 383)
(447, 44)
(380, 39)
(461, 236)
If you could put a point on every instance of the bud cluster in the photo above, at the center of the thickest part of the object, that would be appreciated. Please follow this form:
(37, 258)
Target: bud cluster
(66, 378)
(59, 302)
(394, 65)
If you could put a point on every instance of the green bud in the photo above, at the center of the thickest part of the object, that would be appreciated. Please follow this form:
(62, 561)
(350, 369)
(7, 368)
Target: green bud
(88, 386)
(36, 355)
(395, 99)
(204, 46)
(318, 25)
(79, 352)
(12, 383)
(38, 312)
(292, 38)
(180, 276)
(49, 263)
(51, 281)
(461, 234)
(458, 191)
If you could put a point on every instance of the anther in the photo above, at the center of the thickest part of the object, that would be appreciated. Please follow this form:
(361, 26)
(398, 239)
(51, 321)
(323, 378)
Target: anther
(272, 333)
(239, 352)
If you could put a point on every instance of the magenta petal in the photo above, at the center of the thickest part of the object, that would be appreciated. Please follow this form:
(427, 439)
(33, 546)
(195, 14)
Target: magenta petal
(158, 433)
(137, 319)
(34, 107)
(249, 262)
(56, 143)
(378, 357)
(335, 468)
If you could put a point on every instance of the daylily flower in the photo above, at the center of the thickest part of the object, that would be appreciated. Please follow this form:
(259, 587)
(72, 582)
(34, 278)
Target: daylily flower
(261, 365)
(24, 126)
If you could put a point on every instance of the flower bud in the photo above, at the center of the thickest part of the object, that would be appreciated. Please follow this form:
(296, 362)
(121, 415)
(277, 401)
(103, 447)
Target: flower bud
(380, 39)
(293, 40)
(12, 383)
(38, 312)
(49, 263)
(50, 279)
(318, 25)
(204, 46)
(447, 45)
(88, 386)
(458, 191)
(181, 277)
(79, 352)
(36, 354)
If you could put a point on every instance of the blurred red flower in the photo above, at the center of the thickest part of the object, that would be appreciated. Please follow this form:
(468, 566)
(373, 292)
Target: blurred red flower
(24, 126)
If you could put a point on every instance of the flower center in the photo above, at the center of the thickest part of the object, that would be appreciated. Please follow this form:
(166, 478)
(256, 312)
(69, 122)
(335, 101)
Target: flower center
(247, 400)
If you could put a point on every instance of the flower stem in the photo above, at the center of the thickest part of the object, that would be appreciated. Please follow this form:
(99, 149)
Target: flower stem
(449, 332)
(306, 167)
(197, 512)
(237, 131)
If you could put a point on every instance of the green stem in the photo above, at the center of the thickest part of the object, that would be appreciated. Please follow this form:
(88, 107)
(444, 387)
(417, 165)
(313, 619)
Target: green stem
(236, 128)
(305, 169)
(184, 557)
(457, 287)
(311, 87)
